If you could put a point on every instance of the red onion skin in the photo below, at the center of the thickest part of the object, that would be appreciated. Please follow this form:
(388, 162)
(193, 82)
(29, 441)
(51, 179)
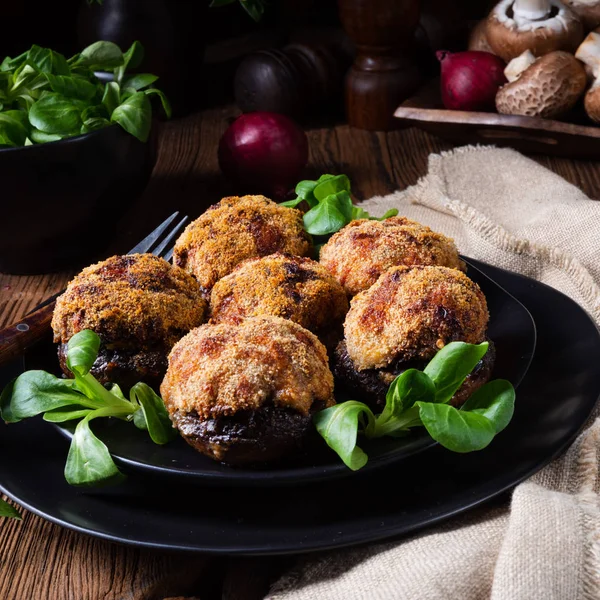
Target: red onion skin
(264, 151)
(471, 80)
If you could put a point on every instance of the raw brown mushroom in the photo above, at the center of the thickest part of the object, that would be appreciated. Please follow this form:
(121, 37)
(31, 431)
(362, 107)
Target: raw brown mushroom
(589, 54)
(478, 38)
(547, 88)
(541, 26)
(588, 12)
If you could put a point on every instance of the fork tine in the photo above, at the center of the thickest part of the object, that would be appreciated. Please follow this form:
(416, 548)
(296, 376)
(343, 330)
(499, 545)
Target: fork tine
(169, 255)
(146, 245)
(148, 242)
(160, 249)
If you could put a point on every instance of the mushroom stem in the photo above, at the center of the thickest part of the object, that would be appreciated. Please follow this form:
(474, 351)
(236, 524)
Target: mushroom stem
(519, 65)
(589, 54)
(532, 10)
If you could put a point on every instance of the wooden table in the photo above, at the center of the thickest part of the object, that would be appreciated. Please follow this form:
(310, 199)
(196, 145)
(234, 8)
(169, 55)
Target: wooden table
(41, 561)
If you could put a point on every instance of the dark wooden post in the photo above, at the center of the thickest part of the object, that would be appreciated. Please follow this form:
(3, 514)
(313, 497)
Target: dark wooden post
(383, 75)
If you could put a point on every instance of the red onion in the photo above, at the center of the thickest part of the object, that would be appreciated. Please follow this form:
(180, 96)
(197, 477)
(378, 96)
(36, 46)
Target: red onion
(471, 80)
(264, 151)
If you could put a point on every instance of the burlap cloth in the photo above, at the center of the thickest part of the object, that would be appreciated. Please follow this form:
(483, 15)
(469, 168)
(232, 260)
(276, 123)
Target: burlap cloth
(506, 210)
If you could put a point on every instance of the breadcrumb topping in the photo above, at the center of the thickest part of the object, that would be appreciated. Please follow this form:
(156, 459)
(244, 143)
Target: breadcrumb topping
(360, 252)
(217, 370)
(133, 300)
(235, 229)
(411, 313)
(291, 287)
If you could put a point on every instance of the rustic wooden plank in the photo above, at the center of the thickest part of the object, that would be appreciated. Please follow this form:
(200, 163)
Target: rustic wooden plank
(364, 157)
(44, 561)
(527, 134)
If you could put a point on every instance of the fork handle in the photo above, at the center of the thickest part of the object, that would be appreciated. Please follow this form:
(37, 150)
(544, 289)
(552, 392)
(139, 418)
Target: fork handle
(16, 338)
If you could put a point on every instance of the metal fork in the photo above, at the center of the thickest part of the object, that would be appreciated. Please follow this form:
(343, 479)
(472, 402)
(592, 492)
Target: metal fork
(16, 338)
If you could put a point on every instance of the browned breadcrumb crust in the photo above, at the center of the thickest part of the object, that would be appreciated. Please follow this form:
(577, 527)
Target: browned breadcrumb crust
(410, 313)
(291, 287)
(360, 252)
(136, 300)
(235, 229)
(218, 370)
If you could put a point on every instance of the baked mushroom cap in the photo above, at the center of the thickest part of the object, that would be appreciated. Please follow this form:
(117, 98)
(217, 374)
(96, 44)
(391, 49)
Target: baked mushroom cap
(291, 287)
(411, 313)
(236, 229)
(246, 393)
(509, 34)
(588, 12)
(139, 305)
(548, 88)
(360, 252)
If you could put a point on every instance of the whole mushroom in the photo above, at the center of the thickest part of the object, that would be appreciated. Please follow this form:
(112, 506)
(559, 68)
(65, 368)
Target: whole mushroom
(542, 87)
(588, 12)
(541, 26)
(478, 38)
(589, 54)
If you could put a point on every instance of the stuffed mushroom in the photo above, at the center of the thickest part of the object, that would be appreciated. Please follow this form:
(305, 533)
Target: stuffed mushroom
(245, 394)
(139, 305)
(360, 252)
(291, 287)
(402, 321)
(234, 230)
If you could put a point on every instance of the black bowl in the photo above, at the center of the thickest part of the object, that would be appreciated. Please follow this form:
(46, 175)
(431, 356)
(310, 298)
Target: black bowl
(62, 200)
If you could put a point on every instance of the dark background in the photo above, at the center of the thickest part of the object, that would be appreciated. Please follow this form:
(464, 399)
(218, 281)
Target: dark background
(62, 25)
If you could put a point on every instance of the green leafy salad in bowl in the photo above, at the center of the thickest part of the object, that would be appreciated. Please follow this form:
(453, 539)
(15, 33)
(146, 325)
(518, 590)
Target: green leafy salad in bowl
(45, 97)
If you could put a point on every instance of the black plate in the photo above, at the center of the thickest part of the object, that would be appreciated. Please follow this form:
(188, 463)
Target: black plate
(511, 328)
(553, 402)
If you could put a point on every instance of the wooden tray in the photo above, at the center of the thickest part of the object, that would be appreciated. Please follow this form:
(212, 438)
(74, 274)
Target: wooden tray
(526, 134)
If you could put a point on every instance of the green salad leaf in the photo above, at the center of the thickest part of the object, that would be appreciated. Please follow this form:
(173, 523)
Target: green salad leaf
(156, 417)
(457, 430)
(84, 399)
(339, 427)
(132, 59)
(45, 97)
(6, 510)
(421, 399)
(405, 391)
(89, 462)
(134, 115)
(326, 217)
(451, 365)
(330, 206)
(100, 56)
(45, 60)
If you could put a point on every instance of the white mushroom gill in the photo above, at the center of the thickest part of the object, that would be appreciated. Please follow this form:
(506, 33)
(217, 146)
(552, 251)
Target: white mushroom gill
(526, 15)
(532, 10)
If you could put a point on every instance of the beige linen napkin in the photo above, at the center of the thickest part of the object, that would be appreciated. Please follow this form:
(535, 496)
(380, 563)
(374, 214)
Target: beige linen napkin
(504, 209)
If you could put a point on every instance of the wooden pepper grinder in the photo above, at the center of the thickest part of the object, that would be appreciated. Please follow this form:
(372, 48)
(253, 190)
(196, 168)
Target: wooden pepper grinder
(383, 74)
